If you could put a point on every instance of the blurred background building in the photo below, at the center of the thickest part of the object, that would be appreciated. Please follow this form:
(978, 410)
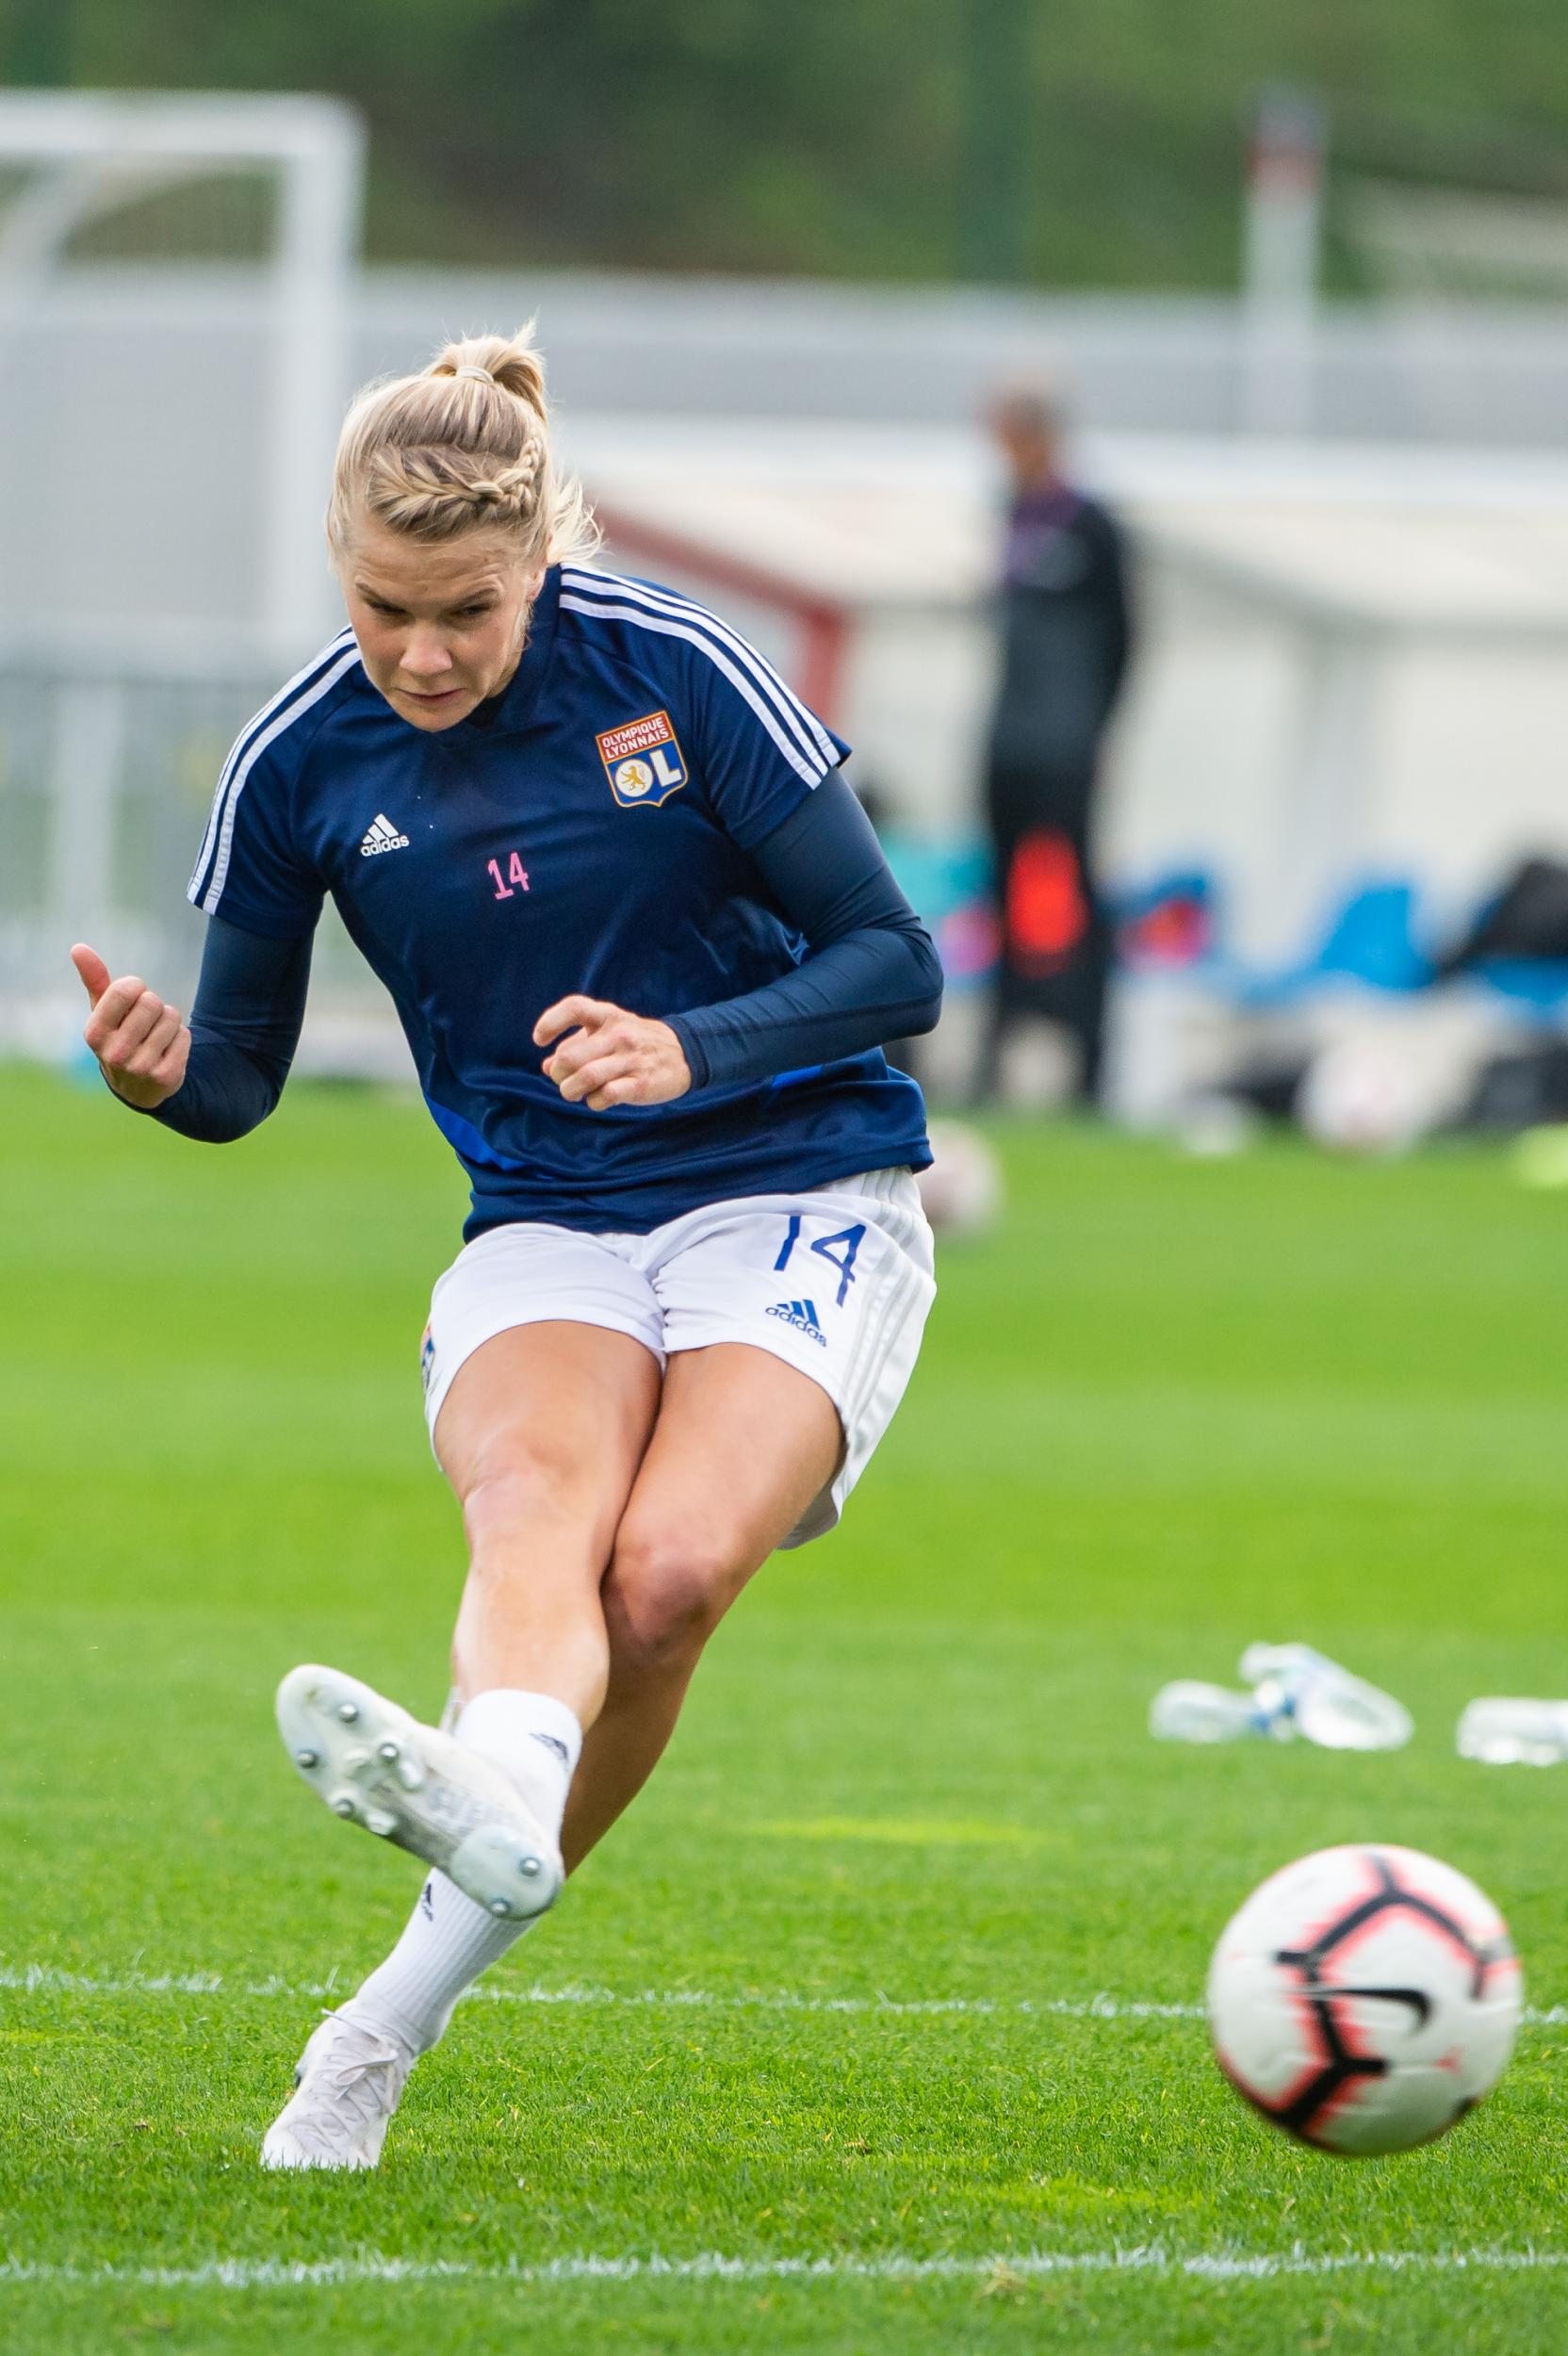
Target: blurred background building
(1307, 290)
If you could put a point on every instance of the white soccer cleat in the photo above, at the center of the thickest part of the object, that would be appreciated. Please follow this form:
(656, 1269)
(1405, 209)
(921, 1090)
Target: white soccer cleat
(348, 2083)
(376, 1766)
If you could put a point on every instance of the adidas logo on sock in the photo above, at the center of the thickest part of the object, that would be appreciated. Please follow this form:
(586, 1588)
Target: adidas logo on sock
(802, 1315)
(382, 835)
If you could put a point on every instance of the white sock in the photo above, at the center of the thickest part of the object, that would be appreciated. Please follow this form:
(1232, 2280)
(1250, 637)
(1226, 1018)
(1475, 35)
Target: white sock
(449, 1942)
(536, 1739)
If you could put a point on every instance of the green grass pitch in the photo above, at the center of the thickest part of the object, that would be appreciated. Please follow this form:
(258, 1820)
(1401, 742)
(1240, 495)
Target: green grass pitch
(1165, 1408)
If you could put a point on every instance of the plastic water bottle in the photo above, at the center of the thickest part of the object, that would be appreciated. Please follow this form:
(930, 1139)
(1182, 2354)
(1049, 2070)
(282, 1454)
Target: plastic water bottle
(1513, 1733)
(1324, 1702)
(1191, 1712)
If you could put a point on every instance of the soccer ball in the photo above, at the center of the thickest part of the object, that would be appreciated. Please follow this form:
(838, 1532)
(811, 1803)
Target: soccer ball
(961, 1191)
(1364, 1096)
(1364, 1998)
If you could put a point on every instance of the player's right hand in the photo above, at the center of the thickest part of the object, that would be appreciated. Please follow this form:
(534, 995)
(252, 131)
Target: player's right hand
(140, 1040)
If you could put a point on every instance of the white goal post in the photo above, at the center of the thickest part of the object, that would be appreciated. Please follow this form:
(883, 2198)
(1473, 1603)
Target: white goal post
(177, 278)
(70, 161)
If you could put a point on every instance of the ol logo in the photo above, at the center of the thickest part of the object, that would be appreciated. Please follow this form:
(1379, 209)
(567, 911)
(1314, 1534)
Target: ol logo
(642, 761)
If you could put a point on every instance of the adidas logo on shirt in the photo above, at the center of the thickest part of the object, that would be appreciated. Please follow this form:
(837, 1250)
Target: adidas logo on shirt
(802, 1315)
(382, 836)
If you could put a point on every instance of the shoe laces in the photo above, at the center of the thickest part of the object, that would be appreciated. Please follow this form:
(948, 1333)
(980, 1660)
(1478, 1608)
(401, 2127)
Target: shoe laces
(352, 2079)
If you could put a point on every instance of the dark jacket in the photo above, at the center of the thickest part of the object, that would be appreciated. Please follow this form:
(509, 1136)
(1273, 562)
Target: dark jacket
(1065, 632)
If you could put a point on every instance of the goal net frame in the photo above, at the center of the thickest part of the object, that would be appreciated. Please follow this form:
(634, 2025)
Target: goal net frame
(79, 156)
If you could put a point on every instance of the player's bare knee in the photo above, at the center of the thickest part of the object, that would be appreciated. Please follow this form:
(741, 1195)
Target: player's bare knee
(665, 1592)
(505, 1497)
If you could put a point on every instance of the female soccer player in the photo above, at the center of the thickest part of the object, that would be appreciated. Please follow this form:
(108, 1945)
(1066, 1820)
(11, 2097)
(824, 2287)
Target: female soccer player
(645, 948)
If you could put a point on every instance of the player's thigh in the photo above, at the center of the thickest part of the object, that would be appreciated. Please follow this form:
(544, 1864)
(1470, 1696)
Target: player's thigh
(541, 1363)
(835, 1281)
(742, 1445)
(549, 1419)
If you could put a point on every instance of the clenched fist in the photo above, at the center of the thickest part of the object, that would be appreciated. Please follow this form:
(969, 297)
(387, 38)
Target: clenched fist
(140, 1042)
(612, 1057)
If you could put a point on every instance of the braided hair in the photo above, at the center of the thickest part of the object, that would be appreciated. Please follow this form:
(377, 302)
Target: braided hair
(463, 443)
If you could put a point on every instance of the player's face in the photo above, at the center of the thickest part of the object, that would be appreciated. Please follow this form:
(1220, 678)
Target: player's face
(440, 628)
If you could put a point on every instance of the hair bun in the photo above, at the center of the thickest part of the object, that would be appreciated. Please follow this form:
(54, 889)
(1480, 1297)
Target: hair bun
(508, 362)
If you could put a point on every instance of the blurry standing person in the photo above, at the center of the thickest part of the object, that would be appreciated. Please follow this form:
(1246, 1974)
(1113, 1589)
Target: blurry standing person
(1066, 638)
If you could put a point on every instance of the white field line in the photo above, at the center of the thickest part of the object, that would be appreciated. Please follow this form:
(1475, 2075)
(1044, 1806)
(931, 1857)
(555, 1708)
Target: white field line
(996, 2270)
(47, 1979)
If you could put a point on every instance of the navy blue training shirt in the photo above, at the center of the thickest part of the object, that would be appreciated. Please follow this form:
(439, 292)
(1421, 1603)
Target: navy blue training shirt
(589, 831)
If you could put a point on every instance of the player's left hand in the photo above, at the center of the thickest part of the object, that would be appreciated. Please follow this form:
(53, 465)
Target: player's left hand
(612, 1057)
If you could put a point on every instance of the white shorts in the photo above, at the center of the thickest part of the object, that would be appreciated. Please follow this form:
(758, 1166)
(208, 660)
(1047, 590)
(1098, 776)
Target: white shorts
(836, 1280)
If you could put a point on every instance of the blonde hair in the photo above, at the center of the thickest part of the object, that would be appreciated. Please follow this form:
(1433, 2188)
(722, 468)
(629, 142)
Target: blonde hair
(463, 443)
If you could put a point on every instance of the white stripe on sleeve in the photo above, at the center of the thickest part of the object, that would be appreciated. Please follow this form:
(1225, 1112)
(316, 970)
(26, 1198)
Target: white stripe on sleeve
(242, 743)
(207, 899)
(812, 773)
(810, 735)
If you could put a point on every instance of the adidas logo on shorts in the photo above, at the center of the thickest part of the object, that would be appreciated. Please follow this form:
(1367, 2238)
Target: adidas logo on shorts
(382, 835)
(802, 1315)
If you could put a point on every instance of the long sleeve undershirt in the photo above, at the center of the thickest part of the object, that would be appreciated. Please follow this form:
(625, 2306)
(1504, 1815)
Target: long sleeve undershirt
(244, 1028)
(871, 974)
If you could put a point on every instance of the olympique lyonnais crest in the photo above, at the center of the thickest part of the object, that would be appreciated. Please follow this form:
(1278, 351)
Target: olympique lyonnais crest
(642, 761)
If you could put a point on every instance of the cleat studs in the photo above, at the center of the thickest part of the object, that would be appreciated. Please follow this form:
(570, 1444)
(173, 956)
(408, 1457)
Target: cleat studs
(500, 1905)
(343, 1806)
(348, 1711)
(381, 1821)
(307, 1759)
(528, 1867)
(388, 1750)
